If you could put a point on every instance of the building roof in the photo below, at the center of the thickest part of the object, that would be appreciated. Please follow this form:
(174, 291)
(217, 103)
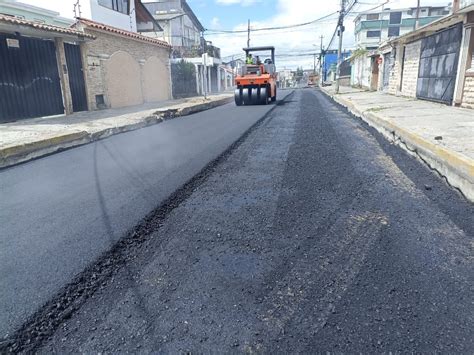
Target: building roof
(35, 26)
(168, 16)
(119, 31)
(192, 15)
(145, 16)
(165, 11)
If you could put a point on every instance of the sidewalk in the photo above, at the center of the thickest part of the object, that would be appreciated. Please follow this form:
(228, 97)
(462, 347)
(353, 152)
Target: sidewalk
(28, 139)
(442, 136)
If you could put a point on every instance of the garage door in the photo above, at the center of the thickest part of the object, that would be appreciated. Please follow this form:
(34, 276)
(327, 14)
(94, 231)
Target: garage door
(29, 78)
(438, 65)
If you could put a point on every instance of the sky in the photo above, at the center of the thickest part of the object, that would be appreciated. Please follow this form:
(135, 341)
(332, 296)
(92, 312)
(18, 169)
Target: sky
(292, 45)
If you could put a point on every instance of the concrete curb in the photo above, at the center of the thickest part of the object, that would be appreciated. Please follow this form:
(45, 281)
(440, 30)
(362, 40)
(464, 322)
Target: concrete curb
(22, 153)
(456, 168)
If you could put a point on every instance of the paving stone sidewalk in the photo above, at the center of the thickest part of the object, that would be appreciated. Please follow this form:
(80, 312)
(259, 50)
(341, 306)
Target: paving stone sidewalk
(28, 139)
(441, 135)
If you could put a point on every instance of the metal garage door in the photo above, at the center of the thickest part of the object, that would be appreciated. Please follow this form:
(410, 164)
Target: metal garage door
(438, 65)
(76, 77)
(29, 78)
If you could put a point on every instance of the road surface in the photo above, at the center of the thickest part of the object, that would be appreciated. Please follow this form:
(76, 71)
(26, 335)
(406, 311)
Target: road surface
(60, 213)
(313, 233)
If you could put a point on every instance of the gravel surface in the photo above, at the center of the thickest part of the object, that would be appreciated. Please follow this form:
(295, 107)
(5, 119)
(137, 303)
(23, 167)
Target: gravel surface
(311, 234)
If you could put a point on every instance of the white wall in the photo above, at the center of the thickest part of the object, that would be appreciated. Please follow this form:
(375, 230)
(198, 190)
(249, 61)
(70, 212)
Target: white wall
(92, 10)
(361, 72)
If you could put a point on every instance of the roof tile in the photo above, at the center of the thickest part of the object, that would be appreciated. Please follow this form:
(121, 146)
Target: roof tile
(104, 27)
(42, 26)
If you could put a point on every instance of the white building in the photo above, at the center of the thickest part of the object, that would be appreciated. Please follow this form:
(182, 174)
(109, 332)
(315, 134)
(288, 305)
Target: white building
(33, 13)
(373, 28)
(128, 15)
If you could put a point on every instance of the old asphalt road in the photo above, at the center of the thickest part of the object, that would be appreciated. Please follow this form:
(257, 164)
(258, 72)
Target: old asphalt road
(60, 213)
(311, 234)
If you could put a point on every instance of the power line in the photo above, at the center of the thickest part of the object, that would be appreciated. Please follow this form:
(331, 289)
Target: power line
(272, 28)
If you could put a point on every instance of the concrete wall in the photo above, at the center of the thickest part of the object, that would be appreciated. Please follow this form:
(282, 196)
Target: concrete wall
(411, 66)
(125, 71)
(361, 72)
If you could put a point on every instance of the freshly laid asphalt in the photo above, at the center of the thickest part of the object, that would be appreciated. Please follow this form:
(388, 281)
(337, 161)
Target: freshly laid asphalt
(60, 213)
(312, 234)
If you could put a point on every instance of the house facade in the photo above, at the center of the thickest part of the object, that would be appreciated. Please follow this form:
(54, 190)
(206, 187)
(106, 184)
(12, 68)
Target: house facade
(52, 70)
(41, 72)
(372, 29)
(434, 62)
(128, 15)
(123, 68)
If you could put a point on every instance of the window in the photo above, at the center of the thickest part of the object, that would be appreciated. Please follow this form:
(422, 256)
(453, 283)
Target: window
(372, 16)
(116, 5)
(394, 31)
(395, 18)
(372, 34)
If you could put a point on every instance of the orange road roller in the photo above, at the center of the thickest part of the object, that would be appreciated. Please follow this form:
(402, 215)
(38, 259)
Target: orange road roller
(257, 82)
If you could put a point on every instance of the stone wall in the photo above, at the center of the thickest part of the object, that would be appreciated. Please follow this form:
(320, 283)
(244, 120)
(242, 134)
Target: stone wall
(394, 74)
(125, 71)
(411, 66)
(468, 94)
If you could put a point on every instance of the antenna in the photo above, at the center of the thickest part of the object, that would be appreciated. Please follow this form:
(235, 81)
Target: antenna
(77, 8)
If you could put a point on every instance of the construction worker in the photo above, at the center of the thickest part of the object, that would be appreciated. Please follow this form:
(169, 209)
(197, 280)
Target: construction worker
(258, 61)
(249, 59)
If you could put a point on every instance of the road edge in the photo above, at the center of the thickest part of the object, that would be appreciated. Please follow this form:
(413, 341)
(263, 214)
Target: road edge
(457, 169)
(23, 153)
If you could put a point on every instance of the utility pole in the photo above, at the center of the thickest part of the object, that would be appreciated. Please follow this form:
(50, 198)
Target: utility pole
(314, 64)
(321, 58)
(417, 15)
(248, 36)
(339, 49)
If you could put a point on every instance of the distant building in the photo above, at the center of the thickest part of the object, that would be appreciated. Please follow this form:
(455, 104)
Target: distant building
(33, 13)
(184, 32)
(375, 27)
(330, 63)
(181, 27)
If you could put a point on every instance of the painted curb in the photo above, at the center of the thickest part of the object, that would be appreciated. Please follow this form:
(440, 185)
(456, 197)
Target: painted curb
(456, 168)
(22, 153)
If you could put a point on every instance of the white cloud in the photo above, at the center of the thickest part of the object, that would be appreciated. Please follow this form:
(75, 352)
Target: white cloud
(233, 2)
(215, 22)
(303, 39)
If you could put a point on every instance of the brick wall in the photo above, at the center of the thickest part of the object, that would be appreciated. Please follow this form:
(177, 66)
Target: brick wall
(410, 68)
(468, 94)
(97, 55)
